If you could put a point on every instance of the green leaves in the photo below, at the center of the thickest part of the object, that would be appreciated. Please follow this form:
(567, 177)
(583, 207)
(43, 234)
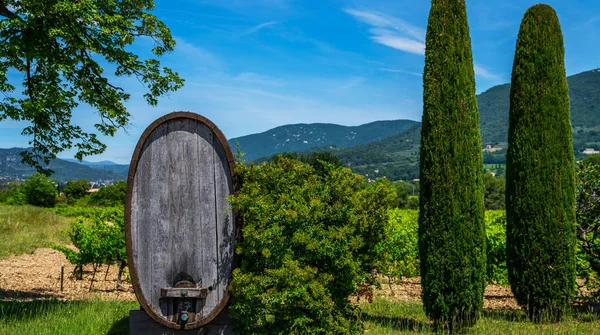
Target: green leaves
(452, 237)
(308, 239)
(57, 47)
(587, 181)
(540, 188)
(99, 240)
(40, 191)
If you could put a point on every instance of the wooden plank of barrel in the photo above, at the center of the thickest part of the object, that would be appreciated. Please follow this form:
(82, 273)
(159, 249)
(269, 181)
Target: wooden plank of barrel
(180, 230)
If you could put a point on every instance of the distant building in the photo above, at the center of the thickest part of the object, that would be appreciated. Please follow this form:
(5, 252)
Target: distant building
(489, 148)
(590, 151)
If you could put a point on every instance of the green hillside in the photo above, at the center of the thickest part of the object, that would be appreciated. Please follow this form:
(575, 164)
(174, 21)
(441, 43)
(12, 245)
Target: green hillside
(11, 169)
(584, 91)
(381, 148)
(396, 157)
(301, 137)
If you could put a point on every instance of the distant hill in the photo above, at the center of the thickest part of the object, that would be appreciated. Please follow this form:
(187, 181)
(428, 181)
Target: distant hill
(301, 137)
(11, 168)
(117, 168)
(381, 148)
(397, 157)
(88, 163)
(584, 91)
(102, 165)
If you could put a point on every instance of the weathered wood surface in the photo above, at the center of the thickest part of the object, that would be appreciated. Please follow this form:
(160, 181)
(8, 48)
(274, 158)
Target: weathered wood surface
(141, 324)
(178, 222)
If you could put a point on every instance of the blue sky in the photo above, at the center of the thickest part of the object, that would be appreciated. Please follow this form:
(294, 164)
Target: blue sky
(251, 65)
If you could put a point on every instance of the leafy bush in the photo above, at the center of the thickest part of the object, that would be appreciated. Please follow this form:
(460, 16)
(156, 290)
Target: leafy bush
(399, 250)
(104, 213)
(495, 230)
(540, 188)
(100, 240)
(40, 190)
(587, 177)
(111, 195)
(76, 189)
(495, 192)
(308, 240)
(11, 194)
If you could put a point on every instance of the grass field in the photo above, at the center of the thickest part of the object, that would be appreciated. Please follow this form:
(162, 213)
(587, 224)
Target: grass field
(384, 317)
(65, 317)
(381, 318)
(25, 228)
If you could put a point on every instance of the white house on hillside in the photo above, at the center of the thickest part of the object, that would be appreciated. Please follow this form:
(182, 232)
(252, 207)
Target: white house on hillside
(590, 151)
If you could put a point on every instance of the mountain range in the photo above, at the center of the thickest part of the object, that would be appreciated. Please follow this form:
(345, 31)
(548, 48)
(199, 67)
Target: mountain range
(301, 137)
(397, 156)
(381, 148)
(11, 168)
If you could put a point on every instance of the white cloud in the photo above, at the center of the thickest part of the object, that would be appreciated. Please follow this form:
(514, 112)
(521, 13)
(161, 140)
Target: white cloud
(400, 71)
(188, 53)
(392, 31)
(392, 40)
(255, 78)
(258, 27)
(380, 20)
(485, 73)
(351, 83)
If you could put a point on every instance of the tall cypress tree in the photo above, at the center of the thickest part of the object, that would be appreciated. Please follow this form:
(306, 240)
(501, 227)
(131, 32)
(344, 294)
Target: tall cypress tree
(540, 186)
(452, 239)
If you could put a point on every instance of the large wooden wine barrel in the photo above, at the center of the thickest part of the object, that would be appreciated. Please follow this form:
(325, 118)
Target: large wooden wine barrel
(179, 227)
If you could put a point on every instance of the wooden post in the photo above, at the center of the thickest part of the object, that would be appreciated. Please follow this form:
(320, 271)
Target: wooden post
(62, 276)
(106, 274)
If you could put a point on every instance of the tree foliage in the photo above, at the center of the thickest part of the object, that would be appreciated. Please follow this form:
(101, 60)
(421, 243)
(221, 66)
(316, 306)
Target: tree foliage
(60, 49)
(11, 194)
(307, 241)
(452, 239)
(540, 185)
(99, 238)
(587, 179)
(76, 189)
(111, 195)
(40, 190)
(495, 189)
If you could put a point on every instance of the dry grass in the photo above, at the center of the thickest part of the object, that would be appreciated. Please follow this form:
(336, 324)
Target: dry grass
(26, 228)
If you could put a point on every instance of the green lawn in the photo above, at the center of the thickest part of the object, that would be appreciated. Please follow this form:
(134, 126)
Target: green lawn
(25, 228)
(61, 317)
(383, 317)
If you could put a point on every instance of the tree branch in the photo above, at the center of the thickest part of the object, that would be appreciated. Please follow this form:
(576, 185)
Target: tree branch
(4, 11)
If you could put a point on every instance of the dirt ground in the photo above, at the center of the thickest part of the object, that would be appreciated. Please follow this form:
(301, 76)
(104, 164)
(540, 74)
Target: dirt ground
(409, 289)
(37, 276)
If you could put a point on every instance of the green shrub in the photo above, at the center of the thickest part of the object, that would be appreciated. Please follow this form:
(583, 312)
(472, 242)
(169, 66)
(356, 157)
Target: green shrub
(103, 213)
(40, 190)
(12, 194)
(587, 179)
(101, 241)
(399, 250)
(540, 187)
(452, 237)
(111, 195)
(495, 192)
(495, 230)
(307, 241)
(76, 189)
